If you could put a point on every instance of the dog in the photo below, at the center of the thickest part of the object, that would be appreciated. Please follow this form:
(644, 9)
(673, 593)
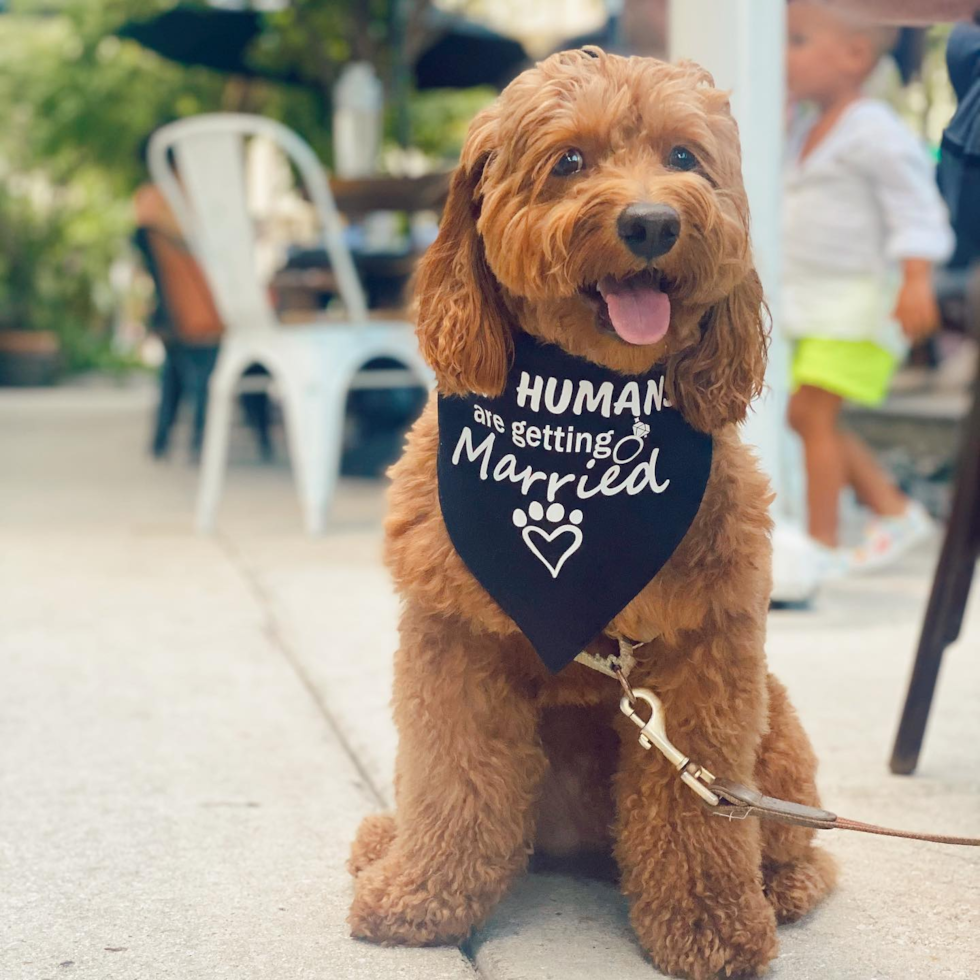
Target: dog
(591, 178)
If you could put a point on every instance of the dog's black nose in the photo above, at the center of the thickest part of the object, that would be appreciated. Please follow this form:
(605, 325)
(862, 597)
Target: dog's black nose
(649, 230)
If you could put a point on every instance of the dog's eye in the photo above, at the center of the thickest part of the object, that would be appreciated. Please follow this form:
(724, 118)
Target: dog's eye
(571, 162)
(681, 158)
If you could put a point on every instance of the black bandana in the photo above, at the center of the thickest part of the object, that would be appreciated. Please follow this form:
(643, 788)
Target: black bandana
(567, 494)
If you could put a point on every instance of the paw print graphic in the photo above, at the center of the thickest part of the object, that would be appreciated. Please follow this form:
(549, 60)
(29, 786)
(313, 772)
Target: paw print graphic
(554, 546)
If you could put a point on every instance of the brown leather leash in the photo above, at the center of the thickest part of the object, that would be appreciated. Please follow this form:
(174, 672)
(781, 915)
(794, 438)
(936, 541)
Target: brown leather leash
(736, 802)
(724, 797)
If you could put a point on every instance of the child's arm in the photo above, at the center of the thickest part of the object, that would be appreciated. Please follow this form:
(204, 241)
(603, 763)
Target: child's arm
(916, 309)
(915, 221)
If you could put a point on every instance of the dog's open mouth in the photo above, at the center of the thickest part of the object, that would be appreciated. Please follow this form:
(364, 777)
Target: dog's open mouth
(635, 309)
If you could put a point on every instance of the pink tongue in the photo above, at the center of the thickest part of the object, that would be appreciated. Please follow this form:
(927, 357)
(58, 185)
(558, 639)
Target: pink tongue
(639, 314)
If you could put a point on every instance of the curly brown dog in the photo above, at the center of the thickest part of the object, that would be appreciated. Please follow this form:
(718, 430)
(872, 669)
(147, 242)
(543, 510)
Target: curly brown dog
(498, 757)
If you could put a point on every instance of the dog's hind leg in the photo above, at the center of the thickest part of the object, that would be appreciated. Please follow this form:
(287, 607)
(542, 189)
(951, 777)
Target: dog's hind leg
(796, 874)
(469, 763)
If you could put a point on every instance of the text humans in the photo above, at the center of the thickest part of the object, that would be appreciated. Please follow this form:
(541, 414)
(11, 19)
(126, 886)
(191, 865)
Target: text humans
(632, 400)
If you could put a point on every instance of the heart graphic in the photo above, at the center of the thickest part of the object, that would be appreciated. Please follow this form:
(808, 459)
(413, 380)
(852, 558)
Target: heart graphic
(574, 545)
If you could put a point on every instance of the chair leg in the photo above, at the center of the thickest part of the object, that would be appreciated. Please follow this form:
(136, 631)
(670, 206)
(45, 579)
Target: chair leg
(947, 601)
(217, 429)
(944, 615)
(314, 429)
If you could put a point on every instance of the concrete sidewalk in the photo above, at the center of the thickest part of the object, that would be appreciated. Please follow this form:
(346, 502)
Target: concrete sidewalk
(191, 730)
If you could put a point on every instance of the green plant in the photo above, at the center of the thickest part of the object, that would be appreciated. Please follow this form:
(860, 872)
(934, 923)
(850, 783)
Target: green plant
(84, 100)
(54, 260)
(80, 102)
(440, 118)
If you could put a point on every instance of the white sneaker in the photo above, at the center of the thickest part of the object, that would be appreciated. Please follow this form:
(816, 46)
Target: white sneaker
(886, 539)
(832, 563)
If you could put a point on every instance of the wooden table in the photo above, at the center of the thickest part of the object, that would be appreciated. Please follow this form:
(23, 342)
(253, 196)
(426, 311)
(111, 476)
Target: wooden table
(300, 288)
(359, 196)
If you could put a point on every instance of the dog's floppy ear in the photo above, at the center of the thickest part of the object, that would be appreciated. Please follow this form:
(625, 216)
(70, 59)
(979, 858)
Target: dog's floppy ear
(713, 382)
(462, 324)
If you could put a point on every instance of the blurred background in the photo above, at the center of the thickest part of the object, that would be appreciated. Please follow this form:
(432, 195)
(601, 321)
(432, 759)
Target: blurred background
(209, 218)
(383, 93)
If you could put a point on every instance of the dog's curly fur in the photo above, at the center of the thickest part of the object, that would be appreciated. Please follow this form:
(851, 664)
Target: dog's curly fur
(498, 757)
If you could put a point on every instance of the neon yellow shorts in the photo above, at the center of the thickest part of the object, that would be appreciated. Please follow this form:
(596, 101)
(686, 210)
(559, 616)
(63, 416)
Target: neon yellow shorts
(857, 370)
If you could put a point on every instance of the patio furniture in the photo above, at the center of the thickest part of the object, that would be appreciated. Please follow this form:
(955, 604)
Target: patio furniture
(953, 578)
(358, 196)
(198, 163)
(187, 367)
(307, 277)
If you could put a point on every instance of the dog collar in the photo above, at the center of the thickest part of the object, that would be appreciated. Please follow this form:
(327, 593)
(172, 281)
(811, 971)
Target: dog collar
(566, 494)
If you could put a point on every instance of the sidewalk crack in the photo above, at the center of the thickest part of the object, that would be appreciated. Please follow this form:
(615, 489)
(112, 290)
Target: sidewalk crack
(279, 642)
(275, 636)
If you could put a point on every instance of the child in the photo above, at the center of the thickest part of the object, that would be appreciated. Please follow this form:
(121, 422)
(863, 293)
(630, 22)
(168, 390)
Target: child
(864, 224)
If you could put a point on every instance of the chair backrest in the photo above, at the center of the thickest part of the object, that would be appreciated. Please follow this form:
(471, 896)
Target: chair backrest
(199, 165)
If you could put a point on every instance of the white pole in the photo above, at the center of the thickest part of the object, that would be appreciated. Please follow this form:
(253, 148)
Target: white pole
(742, 43)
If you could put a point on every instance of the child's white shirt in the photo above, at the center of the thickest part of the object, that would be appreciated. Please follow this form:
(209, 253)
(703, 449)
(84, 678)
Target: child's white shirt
(861, 201)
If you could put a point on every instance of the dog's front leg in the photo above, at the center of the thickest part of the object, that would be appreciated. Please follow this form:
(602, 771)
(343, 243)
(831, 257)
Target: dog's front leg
(693, 879)
(469, 763)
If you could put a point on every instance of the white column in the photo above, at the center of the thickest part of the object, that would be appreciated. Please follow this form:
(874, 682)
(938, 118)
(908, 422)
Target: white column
(742, 43)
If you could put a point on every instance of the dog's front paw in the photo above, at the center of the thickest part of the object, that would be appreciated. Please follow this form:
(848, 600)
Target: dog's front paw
(374, 838)
(396, 904)
(735, 941)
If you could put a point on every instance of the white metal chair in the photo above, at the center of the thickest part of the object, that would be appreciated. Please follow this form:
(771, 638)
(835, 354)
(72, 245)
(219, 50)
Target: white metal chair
(199, 165)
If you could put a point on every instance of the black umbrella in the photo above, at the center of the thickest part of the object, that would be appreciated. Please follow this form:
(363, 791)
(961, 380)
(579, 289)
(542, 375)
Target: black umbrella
(464, 54)
(461, 53)
(208, 37)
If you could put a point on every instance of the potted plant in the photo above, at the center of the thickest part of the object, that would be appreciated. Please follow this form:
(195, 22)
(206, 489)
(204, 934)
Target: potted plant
(54, 260)
(29, 346)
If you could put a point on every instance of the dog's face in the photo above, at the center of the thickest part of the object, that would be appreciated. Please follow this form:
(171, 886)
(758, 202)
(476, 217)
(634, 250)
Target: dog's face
(599, 205)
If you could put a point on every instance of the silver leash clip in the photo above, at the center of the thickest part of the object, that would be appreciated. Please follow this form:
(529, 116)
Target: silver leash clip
(653, 734)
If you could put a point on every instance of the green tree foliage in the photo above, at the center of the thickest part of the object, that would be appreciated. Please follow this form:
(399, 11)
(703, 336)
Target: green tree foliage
(82, 98)
(79, 103)
(55, 253)
(318, 37)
